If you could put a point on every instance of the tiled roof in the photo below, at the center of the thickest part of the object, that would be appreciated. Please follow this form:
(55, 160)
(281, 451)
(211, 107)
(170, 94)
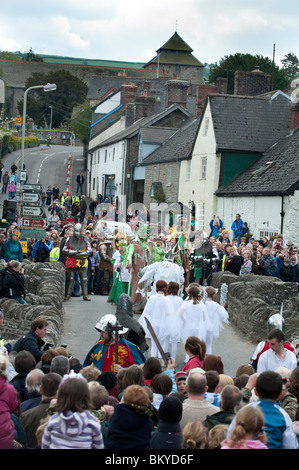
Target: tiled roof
(250, 124)
(275, 173)
(177, 147)
(157, 135)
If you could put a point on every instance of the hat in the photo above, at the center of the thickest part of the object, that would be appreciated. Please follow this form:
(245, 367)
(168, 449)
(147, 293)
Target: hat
(107, 379)
(171, 410)
(289, 243)
(196, 370)
(181, 376)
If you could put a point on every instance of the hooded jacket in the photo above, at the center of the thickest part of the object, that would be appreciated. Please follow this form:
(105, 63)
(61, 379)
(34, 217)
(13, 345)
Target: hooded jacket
(8, 404)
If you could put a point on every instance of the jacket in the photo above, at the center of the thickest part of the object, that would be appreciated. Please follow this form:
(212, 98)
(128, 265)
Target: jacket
(167, 436)
(13, 250)
(41, 251)
(13, 283)
(8, 404)
(128, 430)
(222, 417)
(30, 342)
(237, 227)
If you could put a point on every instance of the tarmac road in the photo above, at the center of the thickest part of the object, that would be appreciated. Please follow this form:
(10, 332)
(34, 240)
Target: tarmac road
(80, 335)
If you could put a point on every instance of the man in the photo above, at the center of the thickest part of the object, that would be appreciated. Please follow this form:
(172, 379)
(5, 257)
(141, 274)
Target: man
(237, 227)
(277, 355)
(31, 419)
(106, 265)
(102, 354)
(60, 365)
(80, 181)
(235, 262)
(271, 263)
(195, 407)
(55, 192)
(33, 340)
(230, 399)
(41, 250)
(33, 384)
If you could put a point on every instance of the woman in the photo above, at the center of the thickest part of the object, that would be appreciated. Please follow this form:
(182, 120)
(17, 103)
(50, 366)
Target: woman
(246, 267)
(13, 282)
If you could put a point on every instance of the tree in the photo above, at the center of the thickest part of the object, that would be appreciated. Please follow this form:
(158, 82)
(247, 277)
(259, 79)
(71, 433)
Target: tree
(291, 65)
(80, 122)
(70, 92)
(230, 64)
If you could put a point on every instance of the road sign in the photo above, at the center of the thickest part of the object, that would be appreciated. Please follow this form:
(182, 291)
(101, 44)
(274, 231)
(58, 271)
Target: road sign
(31, 197)
(18, 121)
(33, 211)
(32, 188)
(33, 223)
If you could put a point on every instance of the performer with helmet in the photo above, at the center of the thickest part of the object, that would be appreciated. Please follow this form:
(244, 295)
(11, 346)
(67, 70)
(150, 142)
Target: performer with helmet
(112, 352)
(77, 249)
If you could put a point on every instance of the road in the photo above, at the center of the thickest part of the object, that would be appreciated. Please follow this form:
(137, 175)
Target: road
(48, 165)
(80, 335)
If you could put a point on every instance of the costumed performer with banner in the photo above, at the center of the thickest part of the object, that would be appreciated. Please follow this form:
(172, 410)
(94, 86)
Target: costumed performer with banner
(121, 275)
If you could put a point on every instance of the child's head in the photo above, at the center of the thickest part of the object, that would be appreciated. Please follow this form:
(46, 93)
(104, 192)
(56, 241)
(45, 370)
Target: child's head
(249, 425)
(216, 435)
(269, 385)
(180, 380)
(194, 435)
(161, 384)
(171, 410)
(138, 398)
(98, 394)
(196, 347)
(133, 376)
(73, 394)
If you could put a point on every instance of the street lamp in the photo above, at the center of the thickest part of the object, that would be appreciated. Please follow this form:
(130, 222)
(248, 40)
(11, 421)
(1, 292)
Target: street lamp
(48, 87)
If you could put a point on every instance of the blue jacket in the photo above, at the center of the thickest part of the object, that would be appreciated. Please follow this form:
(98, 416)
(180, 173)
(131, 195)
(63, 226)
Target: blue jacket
(278, 425)
(215, 230)
(237, 227)
(13, 250)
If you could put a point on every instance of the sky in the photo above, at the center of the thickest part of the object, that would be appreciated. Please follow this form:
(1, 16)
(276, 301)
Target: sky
(133, 30)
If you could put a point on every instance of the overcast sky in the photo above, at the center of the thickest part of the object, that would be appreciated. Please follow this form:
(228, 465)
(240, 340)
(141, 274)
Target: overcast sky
(132, 30)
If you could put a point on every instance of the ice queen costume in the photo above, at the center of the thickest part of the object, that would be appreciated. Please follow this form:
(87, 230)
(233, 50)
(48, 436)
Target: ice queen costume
(159, 312)
(194, 320)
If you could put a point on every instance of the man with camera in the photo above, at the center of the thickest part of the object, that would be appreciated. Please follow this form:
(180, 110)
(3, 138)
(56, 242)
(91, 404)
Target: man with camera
(33, 340)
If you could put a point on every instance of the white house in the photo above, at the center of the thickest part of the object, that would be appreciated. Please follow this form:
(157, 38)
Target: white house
(233, 134)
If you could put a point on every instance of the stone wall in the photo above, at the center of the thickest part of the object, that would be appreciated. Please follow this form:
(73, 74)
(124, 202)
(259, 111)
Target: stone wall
(252, 299)
(44, 283)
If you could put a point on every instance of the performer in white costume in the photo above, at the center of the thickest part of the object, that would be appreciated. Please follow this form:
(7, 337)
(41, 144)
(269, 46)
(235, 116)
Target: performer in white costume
(217, 315)
(194, 316)
(175, 324)
(158, 310)
(160, 270)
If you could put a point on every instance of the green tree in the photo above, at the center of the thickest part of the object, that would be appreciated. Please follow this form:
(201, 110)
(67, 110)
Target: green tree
(80, 122)
(230, 64)
(70, 92)
(290, 65)
(5, 55)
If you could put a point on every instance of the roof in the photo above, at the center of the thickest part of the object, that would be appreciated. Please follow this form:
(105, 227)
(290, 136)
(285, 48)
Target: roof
(249, 124)
(175, 52)
(133, 130)
(157, 135)
(178, 146)
(275, 173)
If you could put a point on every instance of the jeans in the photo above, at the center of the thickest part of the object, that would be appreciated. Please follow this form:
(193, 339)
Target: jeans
(19, 299)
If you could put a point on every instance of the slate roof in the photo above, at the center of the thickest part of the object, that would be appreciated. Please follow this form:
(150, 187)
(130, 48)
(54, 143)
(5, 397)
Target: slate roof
(177, 147)
(275, 173)
(133, 130)
(158, 135)
(249, 124)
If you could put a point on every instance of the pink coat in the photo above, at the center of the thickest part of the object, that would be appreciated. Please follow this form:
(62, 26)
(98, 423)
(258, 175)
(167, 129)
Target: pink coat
(8, 404)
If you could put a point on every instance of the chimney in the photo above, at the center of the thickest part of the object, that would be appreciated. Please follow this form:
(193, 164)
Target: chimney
(251, 83)
(130, 113)
(176, 92)
(294, 117)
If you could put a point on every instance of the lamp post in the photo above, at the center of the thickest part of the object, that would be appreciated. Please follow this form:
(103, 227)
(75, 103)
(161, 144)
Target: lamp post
(51, 118)
(48, 87)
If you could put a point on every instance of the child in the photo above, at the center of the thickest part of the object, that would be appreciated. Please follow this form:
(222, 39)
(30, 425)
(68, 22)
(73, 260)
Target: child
(194, 436)
(248, 432)
(180, 379)
(196, 351)
(73, 426)
(130, 426)
(218, 314)
(11, 190)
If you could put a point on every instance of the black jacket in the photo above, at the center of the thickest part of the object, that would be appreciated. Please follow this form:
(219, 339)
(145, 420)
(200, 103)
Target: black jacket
(32, 343)
(167, 436)
(234, 265)
(13, 283)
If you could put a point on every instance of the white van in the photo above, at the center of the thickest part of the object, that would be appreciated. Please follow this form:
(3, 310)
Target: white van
(121, 227)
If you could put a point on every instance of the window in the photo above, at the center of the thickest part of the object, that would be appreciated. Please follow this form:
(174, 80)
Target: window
(169, 174)
(188, 170)
(154, 174)
(105, 159)
(200, 215)
(113, 154)
(98, 156)
(206, 126)
(203, 168)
